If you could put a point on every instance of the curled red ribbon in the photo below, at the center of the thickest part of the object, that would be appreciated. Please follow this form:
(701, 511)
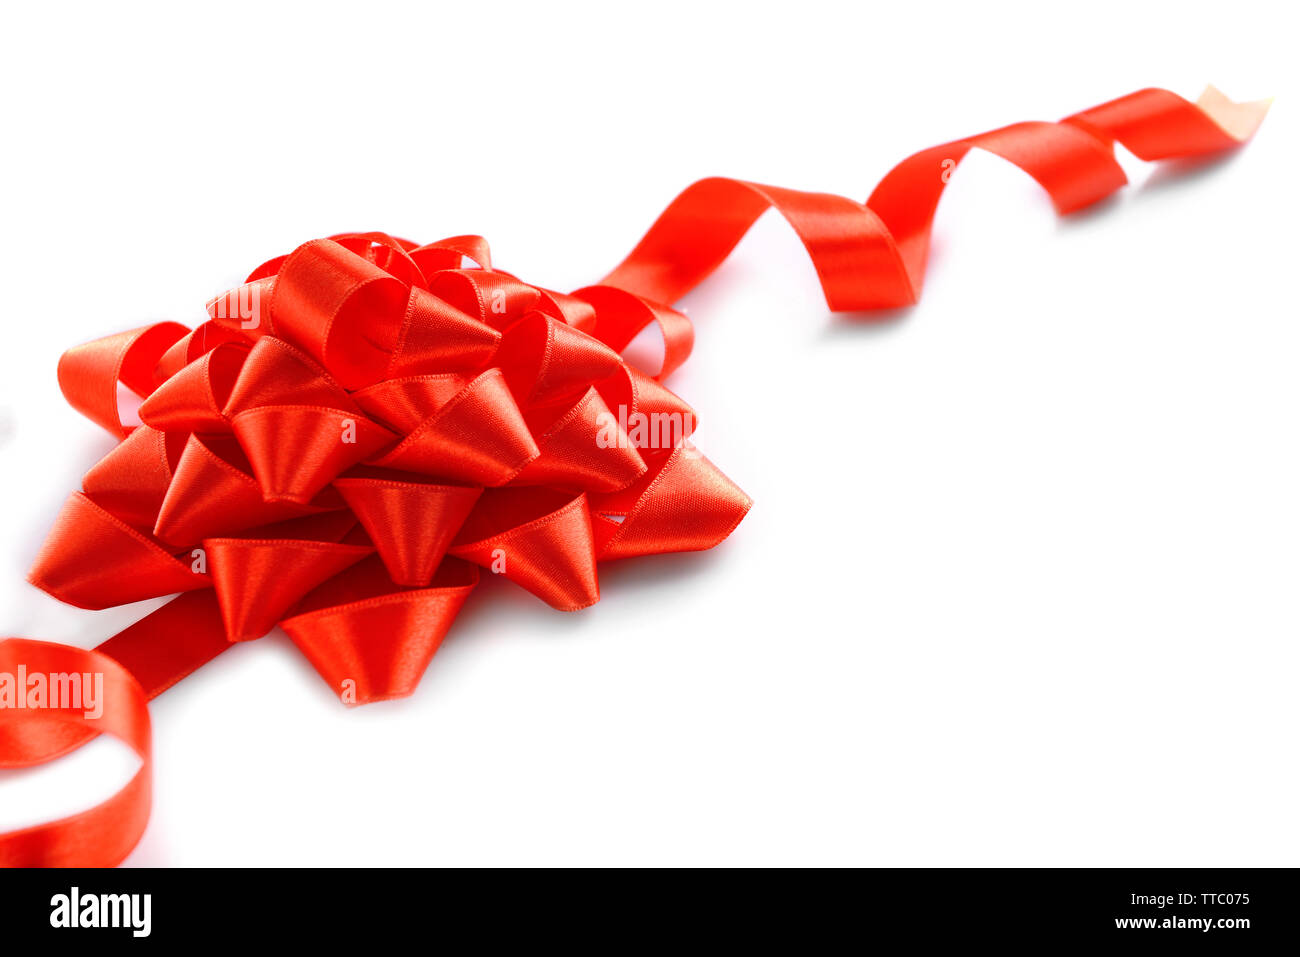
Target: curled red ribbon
(367, 422)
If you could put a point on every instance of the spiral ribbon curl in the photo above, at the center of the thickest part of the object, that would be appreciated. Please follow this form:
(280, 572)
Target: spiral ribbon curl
(367, 422)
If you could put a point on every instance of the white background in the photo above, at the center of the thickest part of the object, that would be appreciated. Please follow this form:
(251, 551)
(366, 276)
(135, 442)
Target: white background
(1019, 586)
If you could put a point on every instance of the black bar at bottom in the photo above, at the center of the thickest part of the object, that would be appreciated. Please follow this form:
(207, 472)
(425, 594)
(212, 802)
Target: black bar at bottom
(346, 909)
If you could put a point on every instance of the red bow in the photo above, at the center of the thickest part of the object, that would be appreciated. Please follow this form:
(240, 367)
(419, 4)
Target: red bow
(366, 422)
(359, 410)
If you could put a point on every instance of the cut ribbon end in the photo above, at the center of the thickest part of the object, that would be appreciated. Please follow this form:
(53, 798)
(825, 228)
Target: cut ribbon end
(1239, 120)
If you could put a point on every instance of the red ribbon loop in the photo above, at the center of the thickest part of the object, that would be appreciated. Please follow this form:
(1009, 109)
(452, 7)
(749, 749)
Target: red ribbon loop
(105, 834)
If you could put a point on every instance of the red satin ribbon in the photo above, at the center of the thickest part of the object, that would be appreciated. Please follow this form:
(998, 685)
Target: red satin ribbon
(367, 422)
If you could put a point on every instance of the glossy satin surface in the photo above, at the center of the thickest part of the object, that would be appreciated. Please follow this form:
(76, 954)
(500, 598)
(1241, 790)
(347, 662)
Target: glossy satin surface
(368, 423)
